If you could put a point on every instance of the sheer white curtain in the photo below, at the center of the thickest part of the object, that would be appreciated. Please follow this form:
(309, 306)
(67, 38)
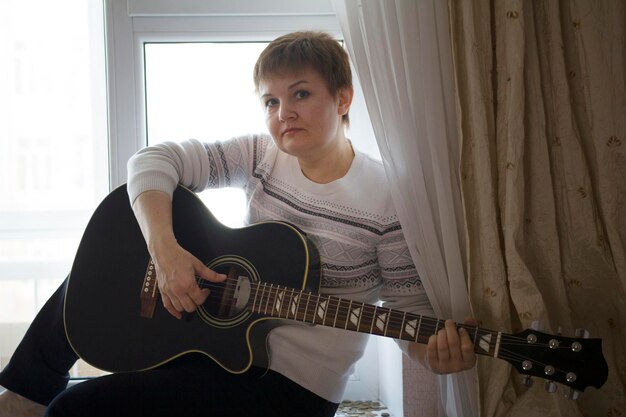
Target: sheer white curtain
(402, 54)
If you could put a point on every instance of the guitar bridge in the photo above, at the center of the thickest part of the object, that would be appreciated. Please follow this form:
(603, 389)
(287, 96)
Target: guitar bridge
(149, 292)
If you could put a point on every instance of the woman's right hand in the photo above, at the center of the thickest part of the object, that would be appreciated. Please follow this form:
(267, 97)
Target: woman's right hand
(176, 268)
(176, 271)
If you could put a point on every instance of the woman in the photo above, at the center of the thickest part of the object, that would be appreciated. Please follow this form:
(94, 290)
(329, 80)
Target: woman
(307, 173)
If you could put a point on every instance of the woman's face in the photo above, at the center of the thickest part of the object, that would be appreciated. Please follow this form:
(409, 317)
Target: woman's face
(302, 116)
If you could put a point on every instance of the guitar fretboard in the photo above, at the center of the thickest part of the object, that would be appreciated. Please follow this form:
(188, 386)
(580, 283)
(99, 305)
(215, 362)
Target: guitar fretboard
(288, 303)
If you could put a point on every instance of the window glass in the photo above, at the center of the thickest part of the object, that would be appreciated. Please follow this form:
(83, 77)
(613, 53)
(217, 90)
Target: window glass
(204, 91)
(53, 148)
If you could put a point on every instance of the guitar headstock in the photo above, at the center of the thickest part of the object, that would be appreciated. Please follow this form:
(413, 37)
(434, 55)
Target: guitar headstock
(576, 362)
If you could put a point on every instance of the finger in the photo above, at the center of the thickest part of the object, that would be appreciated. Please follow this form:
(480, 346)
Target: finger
(432, 360)
(454, 342)
(167, 303)
(467, 348)
(207, 273)
(470, 321)
(187, 303)
(198, 296)
(443, 350)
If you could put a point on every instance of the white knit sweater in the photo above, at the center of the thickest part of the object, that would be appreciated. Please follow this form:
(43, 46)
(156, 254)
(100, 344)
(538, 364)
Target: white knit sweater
(352, 221)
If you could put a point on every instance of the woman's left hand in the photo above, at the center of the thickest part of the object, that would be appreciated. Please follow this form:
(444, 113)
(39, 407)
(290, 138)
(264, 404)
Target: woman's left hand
(451, 349)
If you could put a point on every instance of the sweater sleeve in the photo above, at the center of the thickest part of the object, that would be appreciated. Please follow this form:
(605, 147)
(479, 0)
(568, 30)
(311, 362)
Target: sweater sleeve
(194, 164)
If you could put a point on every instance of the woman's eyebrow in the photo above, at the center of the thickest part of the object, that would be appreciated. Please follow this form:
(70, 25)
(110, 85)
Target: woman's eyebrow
(290, 87)
(297, 83)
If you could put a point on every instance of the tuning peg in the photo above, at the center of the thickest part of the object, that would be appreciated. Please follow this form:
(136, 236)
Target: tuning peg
(550, 386)
(559, 331)
(536, 325)
(572, 394)
(527, 381)
(582, 333)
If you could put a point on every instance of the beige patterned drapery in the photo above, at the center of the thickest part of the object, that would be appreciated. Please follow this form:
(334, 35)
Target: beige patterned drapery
(541, 105)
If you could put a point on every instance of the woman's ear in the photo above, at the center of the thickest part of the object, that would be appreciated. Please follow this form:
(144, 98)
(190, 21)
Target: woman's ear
(345, 100)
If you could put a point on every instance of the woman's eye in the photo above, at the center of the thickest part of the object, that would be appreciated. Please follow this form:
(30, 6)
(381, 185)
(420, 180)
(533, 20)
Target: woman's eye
(302, 94)
(271, 102)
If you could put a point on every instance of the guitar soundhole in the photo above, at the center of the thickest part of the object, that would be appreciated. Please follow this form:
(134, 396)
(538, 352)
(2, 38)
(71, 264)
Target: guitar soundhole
(227, 302)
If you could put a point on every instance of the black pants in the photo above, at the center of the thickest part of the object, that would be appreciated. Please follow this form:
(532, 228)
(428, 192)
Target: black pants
(190, 386)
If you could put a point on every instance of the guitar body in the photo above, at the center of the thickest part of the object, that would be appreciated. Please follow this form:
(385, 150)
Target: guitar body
(109, 327)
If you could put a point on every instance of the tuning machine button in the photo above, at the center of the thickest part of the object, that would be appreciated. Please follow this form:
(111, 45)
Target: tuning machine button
(550, 386)
(572, 394)
(582, 333)
(527, 381)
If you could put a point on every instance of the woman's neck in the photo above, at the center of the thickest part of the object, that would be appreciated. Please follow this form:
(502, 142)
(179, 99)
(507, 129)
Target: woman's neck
(332, 165)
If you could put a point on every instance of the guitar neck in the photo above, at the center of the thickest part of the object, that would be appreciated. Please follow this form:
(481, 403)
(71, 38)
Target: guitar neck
(291, 304)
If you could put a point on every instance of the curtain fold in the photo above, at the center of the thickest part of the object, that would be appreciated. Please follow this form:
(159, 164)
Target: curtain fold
(542, 117)
(402, 55)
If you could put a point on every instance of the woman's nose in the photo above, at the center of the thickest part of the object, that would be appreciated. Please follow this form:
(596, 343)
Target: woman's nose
(286, 112)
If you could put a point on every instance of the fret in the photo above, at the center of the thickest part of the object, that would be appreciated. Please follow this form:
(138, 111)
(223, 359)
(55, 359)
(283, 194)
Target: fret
(343, 310)
(262, 299)
(496, 349)
(316, 311)
(436, 326)
(360, 316)
(354, 317)
(382, 321)
(321, 309)
(287, 294)
(256, 294)
(293, 304)
(394, 320)
(410, 328)
(402, 325)
(326, 308)
(441, 324)
(258, 298)
(277, 302)
(285, 303)
(298, 306)
(336, 312)
(365, 316)
(348, 312)
(269, 295)
(373, 320)
(475, 340)
(419, 328)
(306, 309)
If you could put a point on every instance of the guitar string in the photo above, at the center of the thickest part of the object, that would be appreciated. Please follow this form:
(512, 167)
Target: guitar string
(428, 325)
(426, 322)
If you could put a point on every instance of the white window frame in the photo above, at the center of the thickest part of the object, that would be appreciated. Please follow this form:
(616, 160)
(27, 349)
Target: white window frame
(131, 23)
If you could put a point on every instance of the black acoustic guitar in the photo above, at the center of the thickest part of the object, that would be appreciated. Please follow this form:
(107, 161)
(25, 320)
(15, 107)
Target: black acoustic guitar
(115, 321)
